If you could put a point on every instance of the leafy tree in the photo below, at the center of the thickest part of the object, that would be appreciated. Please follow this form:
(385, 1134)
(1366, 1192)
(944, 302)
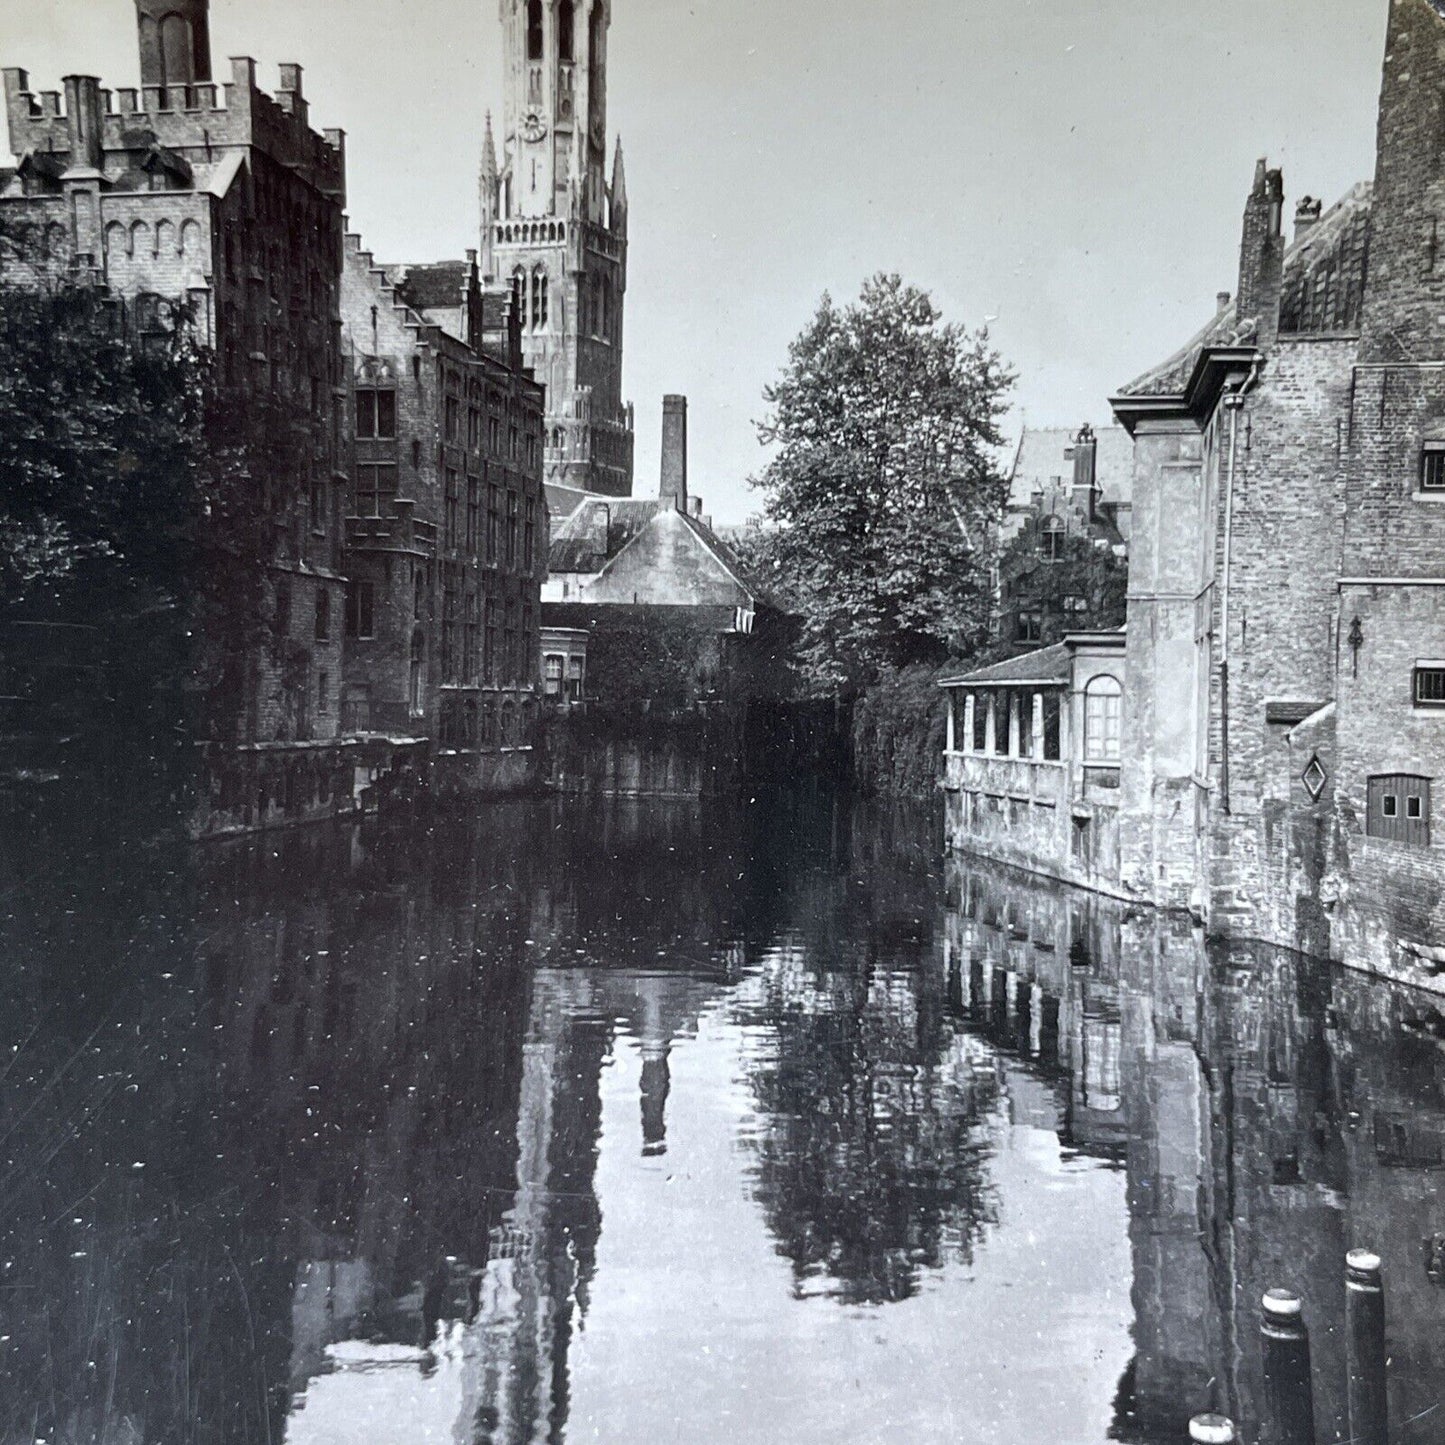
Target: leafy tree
(883, 495)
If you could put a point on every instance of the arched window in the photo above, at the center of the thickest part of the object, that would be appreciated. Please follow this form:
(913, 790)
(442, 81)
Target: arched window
(594, 43)
(539, 299)
(1103, 715)
(605, 319)
(417, 690)
(1051, 539)
(534, 29)
(564, 30)
(519, 295)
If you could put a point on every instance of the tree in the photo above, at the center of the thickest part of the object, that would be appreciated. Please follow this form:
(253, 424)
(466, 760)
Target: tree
(884, 495)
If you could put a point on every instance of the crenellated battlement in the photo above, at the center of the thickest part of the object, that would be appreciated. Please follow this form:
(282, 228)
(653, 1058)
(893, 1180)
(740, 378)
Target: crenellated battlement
(200, 117)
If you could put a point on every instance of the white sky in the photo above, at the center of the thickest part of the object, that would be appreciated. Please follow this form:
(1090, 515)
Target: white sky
(1073, 168)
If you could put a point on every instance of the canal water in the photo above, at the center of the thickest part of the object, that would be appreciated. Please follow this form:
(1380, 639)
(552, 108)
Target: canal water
(665, 1122)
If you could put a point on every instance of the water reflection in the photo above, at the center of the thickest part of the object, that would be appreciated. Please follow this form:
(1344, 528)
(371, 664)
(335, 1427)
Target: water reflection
(645, 1121)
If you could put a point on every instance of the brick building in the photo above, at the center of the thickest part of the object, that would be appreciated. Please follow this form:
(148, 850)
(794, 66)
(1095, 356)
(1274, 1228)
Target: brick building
(446, 524)
(1065, 535)
(1283, 726)
(222, 200)
(554, 229)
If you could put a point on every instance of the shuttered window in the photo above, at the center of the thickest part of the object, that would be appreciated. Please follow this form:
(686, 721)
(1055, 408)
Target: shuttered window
(1399, 808)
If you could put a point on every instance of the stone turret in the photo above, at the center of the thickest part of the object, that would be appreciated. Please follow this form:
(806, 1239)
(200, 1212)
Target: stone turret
(175, 41)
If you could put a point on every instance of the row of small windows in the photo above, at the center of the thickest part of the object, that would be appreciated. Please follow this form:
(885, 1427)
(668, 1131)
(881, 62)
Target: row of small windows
(531, 298)
(1019, 723)
(466, 724)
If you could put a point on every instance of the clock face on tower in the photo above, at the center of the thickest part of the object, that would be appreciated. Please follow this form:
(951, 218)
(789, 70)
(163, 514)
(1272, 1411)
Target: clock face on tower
(533, 126)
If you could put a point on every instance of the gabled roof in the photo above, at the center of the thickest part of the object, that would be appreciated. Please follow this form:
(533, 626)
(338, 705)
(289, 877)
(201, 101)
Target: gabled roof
(1171, 377)
(599, 530)
(1045, 452)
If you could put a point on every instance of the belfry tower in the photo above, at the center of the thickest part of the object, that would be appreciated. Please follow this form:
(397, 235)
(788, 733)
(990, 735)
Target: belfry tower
(556, 231)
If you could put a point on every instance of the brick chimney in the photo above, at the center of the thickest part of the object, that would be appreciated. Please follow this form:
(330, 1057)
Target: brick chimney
(1086, 453)
(1261, 253)
(674, 451)
(175, 41)
(1306, 217)
(83, 114)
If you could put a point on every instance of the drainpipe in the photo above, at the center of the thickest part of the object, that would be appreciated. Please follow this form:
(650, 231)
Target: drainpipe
(1234, 402)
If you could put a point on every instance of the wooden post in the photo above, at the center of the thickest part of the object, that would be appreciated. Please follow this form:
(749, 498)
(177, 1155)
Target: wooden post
(1289, 1411)
(1211, 1430)
(1365, 1348)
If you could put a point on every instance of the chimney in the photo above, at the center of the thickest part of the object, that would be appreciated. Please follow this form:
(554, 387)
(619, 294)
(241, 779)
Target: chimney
(1306, 217)
(1086, 453)
(83, 116)
(674, 451)
(175, 41)
(1261, 253)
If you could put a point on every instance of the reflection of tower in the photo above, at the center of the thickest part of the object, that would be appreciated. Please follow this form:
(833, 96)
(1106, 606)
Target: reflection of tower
(556, 231)
(656, 1080)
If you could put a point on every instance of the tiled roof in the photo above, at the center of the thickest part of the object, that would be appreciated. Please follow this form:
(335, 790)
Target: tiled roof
(1049, 664)
(1324, 272)
(1324, 275)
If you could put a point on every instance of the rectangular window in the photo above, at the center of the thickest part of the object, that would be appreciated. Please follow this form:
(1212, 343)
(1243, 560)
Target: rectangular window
(530, 552)
(474, 428)
(453, 418)
(1430, 684)
(489, 644)
(323, 614)
(1432, 467)
(574, 679)
(323, 692)
(375, 414)
(474, 514)
(375, 489)
(512, 507)
(552, 674)
(360, 609)
(1030, 625)
(1398, 808)
(494, 502)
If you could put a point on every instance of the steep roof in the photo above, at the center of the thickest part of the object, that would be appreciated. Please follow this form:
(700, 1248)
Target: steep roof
(600, 529)
(1045, 452)
(1049, 664)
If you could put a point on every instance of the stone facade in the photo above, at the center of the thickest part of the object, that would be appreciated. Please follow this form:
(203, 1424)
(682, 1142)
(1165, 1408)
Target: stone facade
(1032, 760)
(555, 230)
(446, 521)
(1282, 730)
(222, 204)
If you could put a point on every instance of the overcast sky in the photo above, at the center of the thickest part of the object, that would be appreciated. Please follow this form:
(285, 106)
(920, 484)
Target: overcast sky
(1073, 169)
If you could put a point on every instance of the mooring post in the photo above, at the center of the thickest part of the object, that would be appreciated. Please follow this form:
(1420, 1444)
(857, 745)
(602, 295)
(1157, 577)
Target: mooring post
(1365, 1348)
(1289, 1409)
(1211, 1430)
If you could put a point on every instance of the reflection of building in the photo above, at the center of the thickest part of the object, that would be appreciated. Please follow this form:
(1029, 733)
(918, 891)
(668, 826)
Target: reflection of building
(1032, 759)
(1285, 678)
(1271, 1114)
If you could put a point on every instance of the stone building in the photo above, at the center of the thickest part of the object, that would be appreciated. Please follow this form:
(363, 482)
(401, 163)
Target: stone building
(554, 229)
(1032, 760)
(1283, 726)
(221, 201)
(446, 523)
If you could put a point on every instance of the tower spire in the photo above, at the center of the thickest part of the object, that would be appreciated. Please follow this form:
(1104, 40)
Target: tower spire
(488, 188)
(619, 191)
